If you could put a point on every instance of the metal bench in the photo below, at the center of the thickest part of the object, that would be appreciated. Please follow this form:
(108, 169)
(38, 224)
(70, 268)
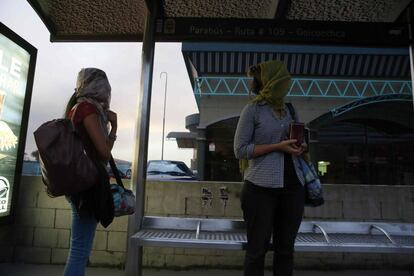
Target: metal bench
(313, 236)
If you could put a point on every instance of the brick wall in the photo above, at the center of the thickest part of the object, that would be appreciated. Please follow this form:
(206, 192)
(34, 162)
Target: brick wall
(41, 231)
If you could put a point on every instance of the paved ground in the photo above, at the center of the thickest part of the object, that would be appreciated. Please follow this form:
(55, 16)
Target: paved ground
(8, 269)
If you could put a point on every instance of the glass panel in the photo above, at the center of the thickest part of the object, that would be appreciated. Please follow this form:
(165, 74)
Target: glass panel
(364, 155)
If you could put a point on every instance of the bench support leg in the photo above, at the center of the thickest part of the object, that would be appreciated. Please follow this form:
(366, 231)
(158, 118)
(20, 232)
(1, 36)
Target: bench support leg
(134, 262)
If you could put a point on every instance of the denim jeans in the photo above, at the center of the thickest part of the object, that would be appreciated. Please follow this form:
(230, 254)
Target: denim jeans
(83, 232)
(271, 212)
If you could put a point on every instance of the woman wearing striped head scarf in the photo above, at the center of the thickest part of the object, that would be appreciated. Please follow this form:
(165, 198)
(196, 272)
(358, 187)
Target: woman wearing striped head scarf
(97, 124)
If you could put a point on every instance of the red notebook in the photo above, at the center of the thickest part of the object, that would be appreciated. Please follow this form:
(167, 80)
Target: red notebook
(297, 131)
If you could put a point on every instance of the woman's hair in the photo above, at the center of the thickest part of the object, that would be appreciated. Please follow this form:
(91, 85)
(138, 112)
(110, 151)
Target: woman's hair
(255, 73)
(71, 103)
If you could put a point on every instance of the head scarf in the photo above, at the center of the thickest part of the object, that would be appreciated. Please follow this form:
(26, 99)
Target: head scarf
(92, 86)
(275, 80)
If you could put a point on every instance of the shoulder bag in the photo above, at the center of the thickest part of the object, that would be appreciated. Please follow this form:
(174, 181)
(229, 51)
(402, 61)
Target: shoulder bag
(66, 167)
(124, 199)
(313, 186)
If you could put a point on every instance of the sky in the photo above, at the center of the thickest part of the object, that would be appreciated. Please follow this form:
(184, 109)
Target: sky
(55, 77)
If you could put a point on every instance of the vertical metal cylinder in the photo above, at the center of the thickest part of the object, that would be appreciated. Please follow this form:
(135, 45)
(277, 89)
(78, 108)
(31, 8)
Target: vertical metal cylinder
(163, 116)
(134, 253)
(411, 49)
(201, 153)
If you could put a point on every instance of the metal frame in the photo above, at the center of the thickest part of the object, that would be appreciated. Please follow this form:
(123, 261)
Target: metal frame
(140, 225)
(4, 30)
(135, 252)
(312, 32)
(325, 235)
(411, 49)
(305, 87)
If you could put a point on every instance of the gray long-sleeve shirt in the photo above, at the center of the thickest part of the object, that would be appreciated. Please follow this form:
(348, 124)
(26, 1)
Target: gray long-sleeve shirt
(258, 125)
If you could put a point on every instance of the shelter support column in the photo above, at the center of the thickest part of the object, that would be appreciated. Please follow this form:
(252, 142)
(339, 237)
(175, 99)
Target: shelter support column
(134, 253)
(201, 153)
(411, 49)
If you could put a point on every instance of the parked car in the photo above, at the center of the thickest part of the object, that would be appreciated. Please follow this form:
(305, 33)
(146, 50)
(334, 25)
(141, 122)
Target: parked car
(169, 170)
(31, 168)
(124, 169)
(121, 174)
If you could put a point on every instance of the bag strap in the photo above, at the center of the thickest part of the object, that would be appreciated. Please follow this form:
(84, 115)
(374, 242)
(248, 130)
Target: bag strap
(291, 111)
(115, 172)
(74, 108)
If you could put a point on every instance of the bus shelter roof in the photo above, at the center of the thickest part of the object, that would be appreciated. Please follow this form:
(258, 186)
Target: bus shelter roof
(375, 22)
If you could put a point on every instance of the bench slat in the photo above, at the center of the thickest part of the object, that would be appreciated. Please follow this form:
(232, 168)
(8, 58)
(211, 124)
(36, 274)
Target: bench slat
(313, 236)
(305, 241)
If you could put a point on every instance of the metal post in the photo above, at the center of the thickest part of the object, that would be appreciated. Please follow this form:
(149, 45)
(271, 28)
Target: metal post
(410, 17)
(201, 153)
(411, 50)
(163, 117)
(134, 253)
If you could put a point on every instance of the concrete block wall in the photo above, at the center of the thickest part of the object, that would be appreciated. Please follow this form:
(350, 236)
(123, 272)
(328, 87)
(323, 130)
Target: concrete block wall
(41, 232)
(343, 202)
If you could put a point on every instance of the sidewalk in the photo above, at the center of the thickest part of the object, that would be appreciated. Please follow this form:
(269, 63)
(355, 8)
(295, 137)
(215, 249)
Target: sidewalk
(16, 269)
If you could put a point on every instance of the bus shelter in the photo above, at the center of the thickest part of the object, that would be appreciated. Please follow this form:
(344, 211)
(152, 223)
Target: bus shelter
(372, 23)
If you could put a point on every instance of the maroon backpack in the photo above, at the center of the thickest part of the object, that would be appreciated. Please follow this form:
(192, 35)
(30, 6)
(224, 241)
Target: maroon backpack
(66, 167)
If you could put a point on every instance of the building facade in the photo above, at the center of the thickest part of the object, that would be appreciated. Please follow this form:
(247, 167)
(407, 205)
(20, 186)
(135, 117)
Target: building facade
(357, 103)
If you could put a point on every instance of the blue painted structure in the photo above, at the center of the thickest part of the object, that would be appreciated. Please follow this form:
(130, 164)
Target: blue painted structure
(369, 100)
(306, 87)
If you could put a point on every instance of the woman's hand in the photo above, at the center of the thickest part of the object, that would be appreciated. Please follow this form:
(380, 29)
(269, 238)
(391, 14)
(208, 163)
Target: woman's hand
(112, 118)
(305, 147)
(289, 146)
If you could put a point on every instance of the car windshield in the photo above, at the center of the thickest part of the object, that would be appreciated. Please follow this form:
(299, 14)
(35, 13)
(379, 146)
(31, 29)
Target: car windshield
(170, 168)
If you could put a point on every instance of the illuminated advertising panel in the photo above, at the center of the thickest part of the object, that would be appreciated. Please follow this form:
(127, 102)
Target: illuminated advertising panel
(17, 60)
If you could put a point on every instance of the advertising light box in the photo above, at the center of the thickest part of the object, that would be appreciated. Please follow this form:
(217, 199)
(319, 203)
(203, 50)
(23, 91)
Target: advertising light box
(17, 62)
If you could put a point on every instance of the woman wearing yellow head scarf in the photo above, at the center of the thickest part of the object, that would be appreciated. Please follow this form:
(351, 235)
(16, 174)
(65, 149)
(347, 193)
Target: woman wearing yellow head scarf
(273, 193)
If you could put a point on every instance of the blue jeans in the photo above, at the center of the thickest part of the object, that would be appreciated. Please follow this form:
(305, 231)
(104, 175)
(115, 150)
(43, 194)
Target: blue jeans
(83, 232)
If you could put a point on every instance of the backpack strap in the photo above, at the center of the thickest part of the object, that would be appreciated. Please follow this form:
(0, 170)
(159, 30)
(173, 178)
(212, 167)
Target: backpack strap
(291, 111)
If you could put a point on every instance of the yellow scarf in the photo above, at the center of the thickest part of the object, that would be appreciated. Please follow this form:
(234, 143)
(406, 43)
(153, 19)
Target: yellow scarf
(275, 80)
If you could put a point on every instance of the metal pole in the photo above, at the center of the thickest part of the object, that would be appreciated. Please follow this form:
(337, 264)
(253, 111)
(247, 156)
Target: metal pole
(201, 153)
(411, 50)
(134, 253)
(163, 117)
